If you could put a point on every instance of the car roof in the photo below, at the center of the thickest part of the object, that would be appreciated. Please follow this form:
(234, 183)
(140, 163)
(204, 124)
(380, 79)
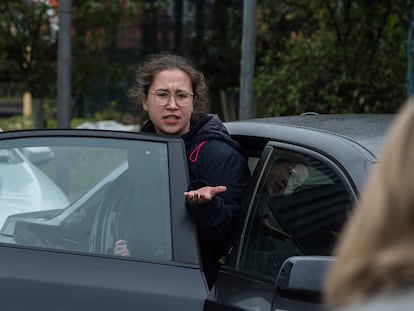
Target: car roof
(367, 130)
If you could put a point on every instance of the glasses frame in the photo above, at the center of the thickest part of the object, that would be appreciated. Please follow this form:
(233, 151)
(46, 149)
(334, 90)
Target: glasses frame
(170, 96)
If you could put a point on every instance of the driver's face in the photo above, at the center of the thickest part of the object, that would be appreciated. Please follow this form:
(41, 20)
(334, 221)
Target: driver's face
(278, 178)
(285, 176)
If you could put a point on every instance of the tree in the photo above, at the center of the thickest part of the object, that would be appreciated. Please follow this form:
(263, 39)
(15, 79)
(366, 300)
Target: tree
(28, 46)
(216, 50)
(331, 56)
(97, 66)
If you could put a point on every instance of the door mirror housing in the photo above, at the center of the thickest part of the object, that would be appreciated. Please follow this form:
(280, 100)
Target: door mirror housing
(302, 277)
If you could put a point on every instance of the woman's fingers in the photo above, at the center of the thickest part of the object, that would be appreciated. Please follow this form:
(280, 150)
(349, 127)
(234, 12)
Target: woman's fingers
(121, 248)
(204, 194)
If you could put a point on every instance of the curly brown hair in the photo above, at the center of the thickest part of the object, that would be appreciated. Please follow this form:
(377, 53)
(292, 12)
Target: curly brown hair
(155, 63)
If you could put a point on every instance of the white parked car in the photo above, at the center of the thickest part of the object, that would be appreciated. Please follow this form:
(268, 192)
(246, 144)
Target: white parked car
(23, 186)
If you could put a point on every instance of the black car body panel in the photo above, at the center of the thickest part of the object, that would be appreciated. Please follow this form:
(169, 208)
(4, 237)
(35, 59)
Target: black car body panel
(42, 280)
(346, 139)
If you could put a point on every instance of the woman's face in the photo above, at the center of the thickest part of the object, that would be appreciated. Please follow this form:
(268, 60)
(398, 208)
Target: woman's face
(168, 115)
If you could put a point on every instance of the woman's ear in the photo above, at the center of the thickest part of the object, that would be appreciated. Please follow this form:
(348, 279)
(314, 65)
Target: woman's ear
(143, 99)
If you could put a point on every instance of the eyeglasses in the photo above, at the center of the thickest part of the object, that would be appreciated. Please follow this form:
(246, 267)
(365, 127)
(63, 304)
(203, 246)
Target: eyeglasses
(294, 180)
(182, 99)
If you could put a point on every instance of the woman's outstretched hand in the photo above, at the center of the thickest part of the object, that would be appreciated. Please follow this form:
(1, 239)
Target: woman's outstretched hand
(203, 195)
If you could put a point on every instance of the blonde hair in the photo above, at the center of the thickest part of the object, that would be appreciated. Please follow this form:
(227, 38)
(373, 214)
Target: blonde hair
(376, 252)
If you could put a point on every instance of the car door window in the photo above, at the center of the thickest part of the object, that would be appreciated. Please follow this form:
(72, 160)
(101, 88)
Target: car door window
(299, 208)
(85, 194)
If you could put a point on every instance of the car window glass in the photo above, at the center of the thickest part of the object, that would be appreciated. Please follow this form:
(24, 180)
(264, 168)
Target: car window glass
(299, 209)
(252, 162)
(83, 195)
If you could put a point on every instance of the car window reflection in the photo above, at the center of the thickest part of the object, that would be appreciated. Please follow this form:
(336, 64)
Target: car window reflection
(299, 209)
(84, 195)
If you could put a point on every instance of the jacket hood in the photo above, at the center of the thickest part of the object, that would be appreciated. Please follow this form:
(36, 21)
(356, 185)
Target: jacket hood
(205, 126)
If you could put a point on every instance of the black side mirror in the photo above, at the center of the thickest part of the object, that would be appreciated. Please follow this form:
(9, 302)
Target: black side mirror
(302, 277)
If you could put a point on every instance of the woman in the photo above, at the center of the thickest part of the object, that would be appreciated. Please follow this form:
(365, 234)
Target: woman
(174, 94)
(375, 256)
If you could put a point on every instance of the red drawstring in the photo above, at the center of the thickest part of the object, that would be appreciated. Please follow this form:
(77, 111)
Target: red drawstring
(194, 154)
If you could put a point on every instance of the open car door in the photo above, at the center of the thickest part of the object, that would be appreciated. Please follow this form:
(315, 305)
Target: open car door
(66, 198)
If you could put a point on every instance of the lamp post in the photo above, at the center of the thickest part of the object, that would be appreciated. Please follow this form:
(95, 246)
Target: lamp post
(248, 54)
(64, 64)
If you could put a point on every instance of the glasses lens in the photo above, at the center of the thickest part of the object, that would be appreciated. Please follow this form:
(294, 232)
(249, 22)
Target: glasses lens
(181, 99)
(294, 179)
(161, 98)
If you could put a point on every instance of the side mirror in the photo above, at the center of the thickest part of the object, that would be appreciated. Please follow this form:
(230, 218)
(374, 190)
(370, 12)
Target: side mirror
(302, 277)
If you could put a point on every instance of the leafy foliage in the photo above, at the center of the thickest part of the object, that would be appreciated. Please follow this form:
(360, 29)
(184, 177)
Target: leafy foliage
(217, 50)
(28, 46)
(331, 57)
(327, 56)
(96, 69)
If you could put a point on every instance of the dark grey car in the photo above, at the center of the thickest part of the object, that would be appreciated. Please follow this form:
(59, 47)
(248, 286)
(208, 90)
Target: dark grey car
(122, 185)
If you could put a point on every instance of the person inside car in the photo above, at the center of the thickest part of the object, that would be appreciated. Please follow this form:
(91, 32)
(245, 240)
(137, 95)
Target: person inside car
(285, 176)
(175, 95)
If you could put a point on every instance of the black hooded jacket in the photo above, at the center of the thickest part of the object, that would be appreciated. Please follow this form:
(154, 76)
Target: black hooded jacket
(214, 159)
